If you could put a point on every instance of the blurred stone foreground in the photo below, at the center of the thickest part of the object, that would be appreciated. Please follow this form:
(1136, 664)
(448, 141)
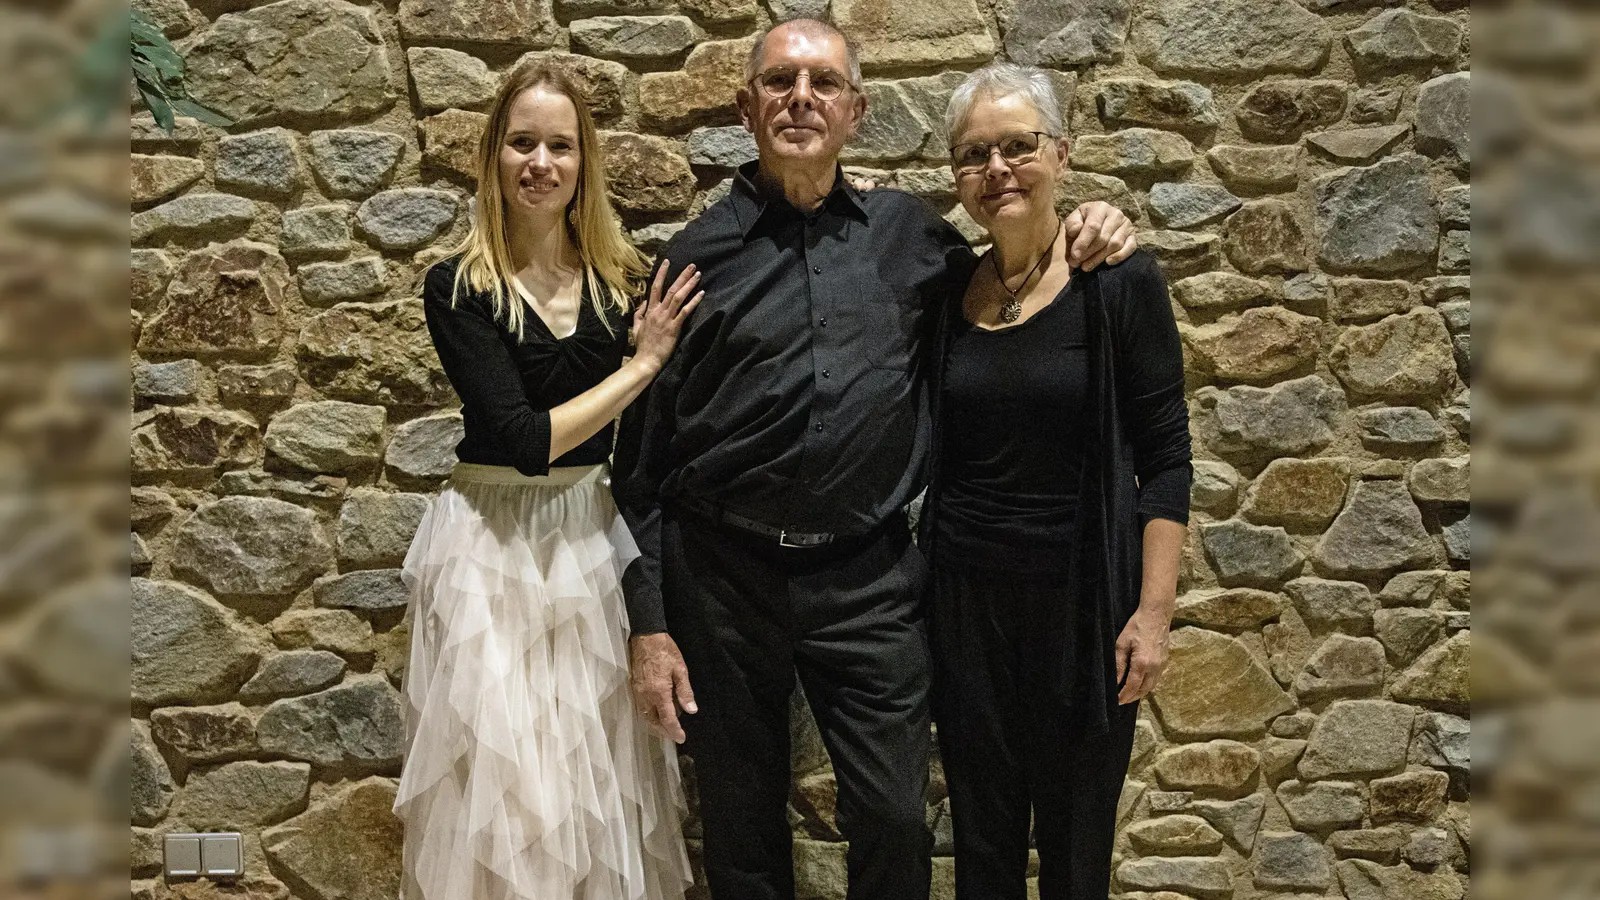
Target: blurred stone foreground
(1300, 169)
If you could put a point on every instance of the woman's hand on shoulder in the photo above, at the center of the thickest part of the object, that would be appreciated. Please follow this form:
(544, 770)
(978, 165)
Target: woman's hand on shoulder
(658, 321)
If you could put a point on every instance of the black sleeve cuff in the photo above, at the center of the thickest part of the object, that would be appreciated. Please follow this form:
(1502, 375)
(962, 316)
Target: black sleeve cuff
(534, 446)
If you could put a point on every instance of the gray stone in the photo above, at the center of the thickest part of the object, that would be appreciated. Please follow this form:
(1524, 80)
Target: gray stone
(1297, 725)
(294, 62)
(1145, 152)
(1358, 146)
(726, 146)
(1414, 589)
(327, 283)
(239, 795)
(261, 162)
(1457, 315)
(373, 353)
(445, 78)
(255, 384)
(150, 784)
(139, 556)
(152, 178)
(652, 238)
(186, 647)
(425, 448)
(1415, 797)
(407, 218)
(1381, 845)
(1366, 880)
(518, 23)
(1215, 487)
(1375, 106)
(1399, 40)
(1175, 105)
(1231, 609)
(1405, 357)
(372, 590)
(335, 630)
(1309, 291)
(172, 382)
(1176, 205)
(1290, 861)
(1443, 741)
(1060, 34)
(250, 546)
(1265, 236)
(1440, 678)
(1163, 802)
(149, 272)
(376, 527)
(315, 231)
(174, 442)
(1405, 633)
(1441, 480)
(327, 436)
(1250, 555)
(1455, 251)
(1245, 38)
(1181, 835)
(1281, 111)
(193, 217)
(1202, 877)
(1443, 288)
(354, 162)
(1380, 218)
(1218, 768)
(1430, 847)
(1444, 116)
(347, 846)
(292, 672)
(1217, 291)
(1257, 168)
(1279, 756)
(355, 726)
(1458, 540)
(1379, 532)
(1214, 686)
(651, 38)
(1407, 428)
(1237, 820)
(1358, 737)
(1179, 253)
(1343, 666)
(1260, 345)
(1327, 604)
(1291, 418)
(205, 734)
(1455, 205)
(893, 130)
(1077, 188)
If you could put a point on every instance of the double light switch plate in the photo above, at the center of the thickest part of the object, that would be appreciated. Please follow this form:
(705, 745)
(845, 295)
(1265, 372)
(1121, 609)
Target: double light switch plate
(204, 855)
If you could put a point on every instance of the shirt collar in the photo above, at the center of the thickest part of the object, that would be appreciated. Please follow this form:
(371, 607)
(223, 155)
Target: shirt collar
(751, 203)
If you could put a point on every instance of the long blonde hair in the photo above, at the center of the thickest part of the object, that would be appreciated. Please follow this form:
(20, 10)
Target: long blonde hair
(613, 269)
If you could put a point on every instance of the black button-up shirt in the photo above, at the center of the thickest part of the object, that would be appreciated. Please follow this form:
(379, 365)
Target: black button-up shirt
(797, 394)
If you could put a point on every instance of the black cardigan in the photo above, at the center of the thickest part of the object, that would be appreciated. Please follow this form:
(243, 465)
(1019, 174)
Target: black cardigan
(1128, 438)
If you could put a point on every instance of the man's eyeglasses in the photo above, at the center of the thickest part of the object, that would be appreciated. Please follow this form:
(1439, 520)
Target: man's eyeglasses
(970, 158)
(779, 83)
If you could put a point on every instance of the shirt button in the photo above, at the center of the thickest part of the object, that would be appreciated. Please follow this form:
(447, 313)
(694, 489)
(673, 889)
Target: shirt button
(818, 427)
(816, 270)
(823, 322)
(825, 373)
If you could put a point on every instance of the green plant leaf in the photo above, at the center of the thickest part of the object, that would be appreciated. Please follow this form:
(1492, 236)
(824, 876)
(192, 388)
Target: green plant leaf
(165, 59)
(188, 107)
(160, 110)
(147, 76)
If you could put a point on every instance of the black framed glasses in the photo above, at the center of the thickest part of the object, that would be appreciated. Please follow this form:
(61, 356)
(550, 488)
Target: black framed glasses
(780, 82)
(1016, 149)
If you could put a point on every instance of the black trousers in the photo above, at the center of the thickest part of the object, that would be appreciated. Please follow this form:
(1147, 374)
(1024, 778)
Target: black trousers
(850, 622)
(1011, 745)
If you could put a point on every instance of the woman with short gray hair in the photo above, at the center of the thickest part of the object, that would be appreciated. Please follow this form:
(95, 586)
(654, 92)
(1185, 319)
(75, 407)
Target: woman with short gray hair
(1056, 511)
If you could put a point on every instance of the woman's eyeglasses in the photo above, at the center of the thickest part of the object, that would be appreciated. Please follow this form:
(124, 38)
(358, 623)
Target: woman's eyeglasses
(970, 158)
(826, 84)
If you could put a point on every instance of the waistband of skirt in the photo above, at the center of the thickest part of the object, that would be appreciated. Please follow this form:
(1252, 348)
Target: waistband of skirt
(560, 476)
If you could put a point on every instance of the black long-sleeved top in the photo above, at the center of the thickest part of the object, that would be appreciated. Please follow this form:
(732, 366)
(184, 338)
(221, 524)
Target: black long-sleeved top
(508, 387)
(1013, 404)
(796, 396)
(1132, 431)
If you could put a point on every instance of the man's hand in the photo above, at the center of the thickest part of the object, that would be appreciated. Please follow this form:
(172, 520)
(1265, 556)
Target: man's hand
(1142, 653)
(660, 683)
(1099, 233)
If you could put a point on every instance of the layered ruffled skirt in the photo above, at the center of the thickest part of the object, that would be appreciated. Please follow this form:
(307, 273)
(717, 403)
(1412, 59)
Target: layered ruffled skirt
(528, 774)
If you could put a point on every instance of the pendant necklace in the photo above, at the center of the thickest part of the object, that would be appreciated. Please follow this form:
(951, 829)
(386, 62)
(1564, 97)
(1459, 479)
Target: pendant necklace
(1012, 310)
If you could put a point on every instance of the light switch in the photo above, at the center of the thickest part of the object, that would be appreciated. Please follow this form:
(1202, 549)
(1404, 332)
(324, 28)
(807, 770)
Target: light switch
(221, 855)
(183, 854)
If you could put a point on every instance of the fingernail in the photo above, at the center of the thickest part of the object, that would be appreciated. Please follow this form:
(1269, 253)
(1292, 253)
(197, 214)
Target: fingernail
(690, 707)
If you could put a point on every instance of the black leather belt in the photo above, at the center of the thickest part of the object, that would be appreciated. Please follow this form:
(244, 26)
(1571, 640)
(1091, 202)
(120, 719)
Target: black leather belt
(720, 515)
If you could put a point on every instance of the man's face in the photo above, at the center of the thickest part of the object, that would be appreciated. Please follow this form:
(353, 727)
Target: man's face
(799, 127)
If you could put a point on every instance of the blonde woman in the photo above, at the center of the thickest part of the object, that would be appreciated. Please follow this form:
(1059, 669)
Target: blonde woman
(528, 774)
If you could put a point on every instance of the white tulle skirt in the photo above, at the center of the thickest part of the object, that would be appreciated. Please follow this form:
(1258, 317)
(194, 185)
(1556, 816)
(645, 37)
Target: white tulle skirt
(528, 774)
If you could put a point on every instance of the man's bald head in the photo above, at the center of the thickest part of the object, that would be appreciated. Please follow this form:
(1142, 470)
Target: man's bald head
(811, 28)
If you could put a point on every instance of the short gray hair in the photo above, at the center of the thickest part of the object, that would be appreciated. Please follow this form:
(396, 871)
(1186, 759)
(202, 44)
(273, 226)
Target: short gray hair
(1004, 79)
(806, 25)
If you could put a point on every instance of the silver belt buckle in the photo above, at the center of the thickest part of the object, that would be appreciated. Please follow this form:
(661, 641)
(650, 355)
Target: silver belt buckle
(783, 540)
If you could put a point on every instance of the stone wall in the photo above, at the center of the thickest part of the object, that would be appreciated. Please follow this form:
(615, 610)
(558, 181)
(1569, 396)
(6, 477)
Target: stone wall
(1299, 169)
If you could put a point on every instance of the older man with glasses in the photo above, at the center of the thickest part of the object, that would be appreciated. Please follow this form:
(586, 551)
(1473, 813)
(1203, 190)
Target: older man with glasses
(765, 478)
